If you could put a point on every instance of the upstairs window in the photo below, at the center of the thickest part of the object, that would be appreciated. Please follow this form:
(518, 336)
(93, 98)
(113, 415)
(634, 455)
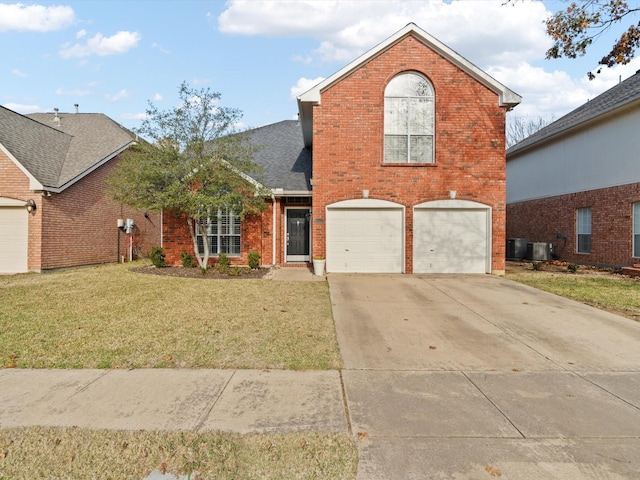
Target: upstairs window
(408, 119)
(223, 234)
(584, 230)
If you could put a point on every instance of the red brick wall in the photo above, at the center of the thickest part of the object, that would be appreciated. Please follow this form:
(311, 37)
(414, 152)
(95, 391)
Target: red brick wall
(255, 235)
(469, 144)
(611, 223)
(79, 225)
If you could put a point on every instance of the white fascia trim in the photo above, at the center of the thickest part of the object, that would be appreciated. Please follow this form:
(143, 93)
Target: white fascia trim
(34, 184)
(281, 192)
(507, 97)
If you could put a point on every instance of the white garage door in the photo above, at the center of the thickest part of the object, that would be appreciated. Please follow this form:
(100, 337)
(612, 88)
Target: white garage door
(13, 239)
(365, 236)
(451, 236)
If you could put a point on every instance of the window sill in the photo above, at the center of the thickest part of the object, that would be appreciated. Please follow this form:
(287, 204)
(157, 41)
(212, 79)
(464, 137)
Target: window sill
(385, 164)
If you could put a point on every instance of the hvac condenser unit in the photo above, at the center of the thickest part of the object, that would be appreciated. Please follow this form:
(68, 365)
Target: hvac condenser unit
(539, 251)
(517, 248)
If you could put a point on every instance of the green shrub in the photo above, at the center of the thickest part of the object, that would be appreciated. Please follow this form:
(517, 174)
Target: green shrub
(188, 260)
(223, 260)
(157, 257)
(254, 260)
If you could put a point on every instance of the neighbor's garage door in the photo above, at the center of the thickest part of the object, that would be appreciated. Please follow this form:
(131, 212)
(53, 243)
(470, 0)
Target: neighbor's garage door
(365, 236)
(451, 237)
(13, 239)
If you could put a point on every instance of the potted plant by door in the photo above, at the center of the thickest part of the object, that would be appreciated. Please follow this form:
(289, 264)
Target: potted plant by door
(318, 266)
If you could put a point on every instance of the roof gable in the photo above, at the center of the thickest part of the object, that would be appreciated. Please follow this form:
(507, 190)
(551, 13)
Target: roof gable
(624, 95)
(507, 98)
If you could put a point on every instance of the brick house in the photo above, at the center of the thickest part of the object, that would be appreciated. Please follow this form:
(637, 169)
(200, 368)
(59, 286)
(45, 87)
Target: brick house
(576, 183)
(54, 208)
(397, 164)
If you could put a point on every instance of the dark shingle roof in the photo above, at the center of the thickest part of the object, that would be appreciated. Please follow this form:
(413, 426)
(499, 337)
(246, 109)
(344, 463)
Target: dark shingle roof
(613, 99)
(283, 156)
(56, 153)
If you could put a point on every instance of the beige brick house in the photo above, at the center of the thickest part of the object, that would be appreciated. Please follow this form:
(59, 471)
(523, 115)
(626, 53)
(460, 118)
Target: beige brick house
(54, 208)
(397, 164)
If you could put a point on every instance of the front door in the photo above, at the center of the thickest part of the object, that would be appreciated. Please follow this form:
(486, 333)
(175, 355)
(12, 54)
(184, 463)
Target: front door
(297, 235)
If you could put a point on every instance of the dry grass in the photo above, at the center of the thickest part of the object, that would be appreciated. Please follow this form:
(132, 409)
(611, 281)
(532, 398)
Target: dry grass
(598, 288)
(110, 317)
(69, 453)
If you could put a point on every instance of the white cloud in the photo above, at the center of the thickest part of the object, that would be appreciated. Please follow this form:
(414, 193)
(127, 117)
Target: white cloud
(134, 116)
(18, 73)
(303, 85)
(102, 46)
(157, 97)
(486, 31)
(35, 18)
(121, 95)
(72, 93)
(81, 33)
(21, 108)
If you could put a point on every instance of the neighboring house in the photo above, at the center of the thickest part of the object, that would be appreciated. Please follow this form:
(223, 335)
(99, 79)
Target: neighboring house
(576, 183)
(397, 164)
(54, 208)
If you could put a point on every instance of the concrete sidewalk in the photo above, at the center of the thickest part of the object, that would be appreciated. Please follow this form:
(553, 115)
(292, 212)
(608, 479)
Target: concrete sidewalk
(161, 399)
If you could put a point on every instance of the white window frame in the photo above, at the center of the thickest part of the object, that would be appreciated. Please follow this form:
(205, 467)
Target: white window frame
(225, 226)
(636, 230)
(402, 99)
(583, 230)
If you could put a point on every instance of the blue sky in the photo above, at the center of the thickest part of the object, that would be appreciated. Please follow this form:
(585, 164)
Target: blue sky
(113, 57)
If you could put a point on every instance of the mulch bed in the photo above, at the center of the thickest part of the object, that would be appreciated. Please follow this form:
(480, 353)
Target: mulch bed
(211, 274)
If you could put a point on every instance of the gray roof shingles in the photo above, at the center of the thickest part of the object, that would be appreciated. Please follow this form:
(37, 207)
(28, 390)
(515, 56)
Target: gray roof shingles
(614, 98)
(286, 162)
(56, 154)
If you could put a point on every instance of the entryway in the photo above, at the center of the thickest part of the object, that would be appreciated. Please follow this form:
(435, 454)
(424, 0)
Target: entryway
(297, 234)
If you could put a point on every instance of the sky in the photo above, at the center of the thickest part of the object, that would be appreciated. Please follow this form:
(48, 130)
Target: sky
(115, 57)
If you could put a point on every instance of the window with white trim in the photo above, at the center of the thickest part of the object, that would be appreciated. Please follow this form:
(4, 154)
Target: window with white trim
(583, 227)
(408, 119)
(223, 233)
(636, 229)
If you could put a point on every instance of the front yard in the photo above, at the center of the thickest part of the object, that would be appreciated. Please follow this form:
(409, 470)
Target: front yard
(111, 317)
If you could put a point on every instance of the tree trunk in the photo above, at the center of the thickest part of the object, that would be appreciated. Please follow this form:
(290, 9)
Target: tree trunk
(204, 259)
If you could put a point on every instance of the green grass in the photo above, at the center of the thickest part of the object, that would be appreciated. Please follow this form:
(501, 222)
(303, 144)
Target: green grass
(110, 317)
(70, 453)
(616, 294)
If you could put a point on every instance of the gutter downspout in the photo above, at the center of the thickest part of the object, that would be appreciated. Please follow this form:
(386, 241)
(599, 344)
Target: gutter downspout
(273, 229)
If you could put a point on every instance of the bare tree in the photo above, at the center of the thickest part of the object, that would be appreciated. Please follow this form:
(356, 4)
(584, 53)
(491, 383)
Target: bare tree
(520, 127)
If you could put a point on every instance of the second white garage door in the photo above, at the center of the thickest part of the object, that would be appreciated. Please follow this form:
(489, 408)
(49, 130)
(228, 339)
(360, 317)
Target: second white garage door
(451, 236)
(365, 236)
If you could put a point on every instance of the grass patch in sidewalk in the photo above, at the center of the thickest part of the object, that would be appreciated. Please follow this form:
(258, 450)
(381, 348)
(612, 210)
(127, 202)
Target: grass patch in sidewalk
(72, 453)
(110, 317)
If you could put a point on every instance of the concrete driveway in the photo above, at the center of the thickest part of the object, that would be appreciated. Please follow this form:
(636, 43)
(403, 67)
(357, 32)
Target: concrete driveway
(474, 377)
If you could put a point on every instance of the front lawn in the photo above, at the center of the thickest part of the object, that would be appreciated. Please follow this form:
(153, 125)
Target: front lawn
(599, 288)
(111, 317)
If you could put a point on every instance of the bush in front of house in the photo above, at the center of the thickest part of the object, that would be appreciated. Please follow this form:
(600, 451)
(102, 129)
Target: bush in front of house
(188, 260)
(157, 257)
(254, 260)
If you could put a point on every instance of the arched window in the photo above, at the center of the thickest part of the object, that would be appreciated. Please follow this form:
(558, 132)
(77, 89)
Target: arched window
(408, 119)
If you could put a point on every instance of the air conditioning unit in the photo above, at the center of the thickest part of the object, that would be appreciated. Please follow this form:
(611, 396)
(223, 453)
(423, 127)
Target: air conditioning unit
(539, 251)
(517, 248)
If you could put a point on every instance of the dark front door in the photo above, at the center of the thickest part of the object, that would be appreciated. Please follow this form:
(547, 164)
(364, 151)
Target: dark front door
(298, 235)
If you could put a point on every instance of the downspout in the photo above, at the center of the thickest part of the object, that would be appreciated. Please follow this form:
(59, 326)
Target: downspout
(273, 229)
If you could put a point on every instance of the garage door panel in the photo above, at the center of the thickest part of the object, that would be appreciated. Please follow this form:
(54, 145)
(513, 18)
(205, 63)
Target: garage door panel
(363, 240)
(13, 239)
(450, 241)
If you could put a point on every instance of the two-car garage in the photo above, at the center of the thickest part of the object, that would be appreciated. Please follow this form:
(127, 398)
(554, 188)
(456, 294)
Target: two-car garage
(368, 236)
